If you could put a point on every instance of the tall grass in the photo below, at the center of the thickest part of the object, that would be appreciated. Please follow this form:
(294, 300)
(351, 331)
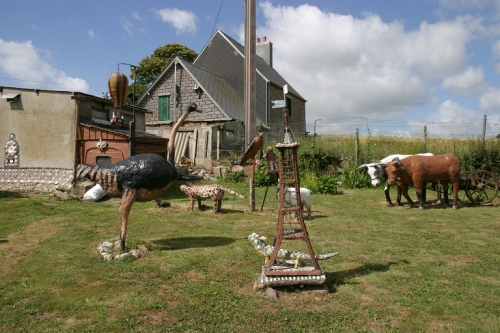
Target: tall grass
(473, 153)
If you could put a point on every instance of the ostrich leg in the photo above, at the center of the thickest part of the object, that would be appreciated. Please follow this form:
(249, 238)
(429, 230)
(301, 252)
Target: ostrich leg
(128, 199)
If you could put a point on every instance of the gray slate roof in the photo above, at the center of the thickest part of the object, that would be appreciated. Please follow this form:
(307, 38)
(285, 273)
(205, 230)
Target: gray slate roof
(219, 71)
(217, 89)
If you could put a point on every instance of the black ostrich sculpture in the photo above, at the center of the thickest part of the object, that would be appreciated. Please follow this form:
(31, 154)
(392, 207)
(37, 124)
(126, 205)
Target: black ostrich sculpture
(141, 177)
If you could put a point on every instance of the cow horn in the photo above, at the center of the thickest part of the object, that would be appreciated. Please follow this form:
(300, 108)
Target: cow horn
(363, 166)
(397, 161)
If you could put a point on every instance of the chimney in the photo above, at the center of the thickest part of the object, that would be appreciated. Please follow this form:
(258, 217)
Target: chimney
(264, 50)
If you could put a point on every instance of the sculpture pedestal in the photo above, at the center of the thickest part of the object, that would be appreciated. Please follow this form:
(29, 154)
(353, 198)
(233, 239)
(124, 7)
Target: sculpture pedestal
(296, 279)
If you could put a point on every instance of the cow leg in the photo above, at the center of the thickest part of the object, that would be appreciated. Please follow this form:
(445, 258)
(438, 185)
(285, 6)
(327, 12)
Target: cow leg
(455, 185)
(420, 197)
(387, 196)
(128, 199)
(404, 191)
(446, 202)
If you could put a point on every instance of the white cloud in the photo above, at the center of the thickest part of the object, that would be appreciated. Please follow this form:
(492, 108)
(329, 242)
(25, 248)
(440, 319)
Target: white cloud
(490, 99)
(466, 82)
(92, 34)
(495, 49)
(365, 67)
(183, 21)
(136, 16)
(450, 120)
(452, 112)
(23, 62)
(127, 26)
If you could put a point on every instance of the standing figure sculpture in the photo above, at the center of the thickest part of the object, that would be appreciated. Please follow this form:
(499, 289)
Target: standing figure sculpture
(142, 177)
(270, 158)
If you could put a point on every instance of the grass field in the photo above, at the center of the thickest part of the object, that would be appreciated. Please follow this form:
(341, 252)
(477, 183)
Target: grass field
(400, 269)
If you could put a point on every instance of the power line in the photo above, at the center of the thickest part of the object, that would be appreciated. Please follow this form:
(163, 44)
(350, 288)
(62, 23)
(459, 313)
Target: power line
(48, 82)
(213, 29)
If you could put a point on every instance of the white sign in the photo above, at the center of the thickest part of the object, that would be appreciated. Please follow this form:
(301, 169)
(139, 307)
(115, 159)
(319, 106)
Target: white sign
(279, 104)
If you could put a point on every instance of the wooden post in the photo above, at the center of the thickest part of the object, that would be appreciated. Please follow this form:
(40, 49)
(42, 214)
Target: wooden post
(484, 129)
(250, 86)
(195, 149)
(356, 146)
(218, 144)
(252, 187)
(425, 139)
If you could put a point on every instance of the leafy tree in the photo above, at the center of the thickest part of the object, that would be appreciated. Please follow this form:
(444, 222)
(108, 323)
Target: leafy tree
(151, 67)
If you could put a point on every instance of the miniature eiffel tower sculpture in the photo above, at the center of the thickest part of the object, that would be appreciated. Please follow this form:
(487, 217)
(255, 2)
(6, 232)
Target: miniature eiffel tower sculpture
(289, 177)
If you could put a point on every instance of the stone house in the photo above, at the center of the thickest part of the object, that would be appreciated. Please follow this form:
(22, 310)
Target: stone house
(215, 81)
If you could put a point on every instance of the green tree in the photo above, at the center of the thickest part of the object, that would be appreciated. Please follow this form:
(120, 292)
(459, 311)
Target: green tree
(151, 67)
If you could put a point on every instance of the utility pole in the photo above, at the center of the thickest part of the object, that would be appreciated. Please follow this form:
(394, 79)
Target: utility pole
(250, 86)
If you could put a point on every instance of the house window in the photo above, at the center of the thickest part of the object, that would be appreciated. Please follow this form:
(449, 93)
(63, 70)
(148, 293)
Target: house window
(229, 134)
(127, 118)
(103, 160)
(164, 108)
(289, 106)
(100, 114)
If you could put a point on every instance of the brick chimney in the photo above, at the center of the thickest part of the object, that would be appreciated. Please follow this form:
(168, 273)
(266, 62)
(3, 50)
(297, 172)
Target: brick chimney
(264, 50)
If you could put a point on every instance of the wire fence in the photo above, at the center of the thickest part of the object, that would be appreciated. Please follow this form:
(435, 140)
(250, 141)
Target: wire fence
(361, 139)
(486, 127)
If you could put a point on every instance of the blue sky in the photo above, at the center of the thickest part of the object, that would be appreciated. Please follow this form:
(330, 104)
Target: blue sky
(418, 61)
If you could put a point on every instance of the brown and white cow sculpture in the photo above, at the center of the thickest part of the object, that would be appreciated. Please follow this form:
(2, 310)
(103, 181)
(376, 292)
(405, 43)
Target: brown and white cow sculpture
(416, 170)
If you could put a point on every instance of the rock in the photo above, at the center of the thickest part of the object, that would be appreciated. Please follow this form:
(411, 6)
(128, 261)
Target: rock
(64, 196)
(271, 293)
(135, 253)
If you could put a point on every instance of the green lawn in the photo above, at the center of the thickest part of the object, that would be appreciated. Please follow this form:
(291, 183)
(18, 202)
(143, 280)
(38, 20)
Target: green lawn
(400, 269)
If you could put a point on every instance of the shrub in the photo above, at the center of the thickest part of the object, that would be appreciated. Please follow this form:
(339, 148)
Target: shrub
(352, 177)
(308, 180)
(480, 157)
(234, 177)
(262, 180)
(316, 159)
(327, 185)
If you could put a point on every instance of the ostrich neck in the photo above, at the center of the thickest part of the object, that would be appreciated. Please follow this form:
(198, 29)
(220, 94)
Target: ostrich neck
(171, 141)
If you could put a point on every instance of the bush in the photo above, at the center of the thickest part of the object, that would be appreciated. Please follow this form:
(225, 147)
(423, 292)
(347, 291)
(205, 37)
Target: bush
(309, 180)
(352, 177)
(316, 159)
(263, 180)
(480, 157)
(327, 185)
(234, 177)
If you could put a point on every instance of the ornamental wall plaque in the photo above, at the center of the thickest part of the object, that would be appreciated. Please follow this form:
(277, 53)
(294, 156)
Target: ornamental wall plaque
(11, 152)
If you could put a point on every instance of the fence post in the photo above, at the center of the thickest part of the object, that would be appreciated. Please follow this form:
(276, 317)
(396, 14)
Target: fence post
(425, 139)
(356, 146)
(484, 128)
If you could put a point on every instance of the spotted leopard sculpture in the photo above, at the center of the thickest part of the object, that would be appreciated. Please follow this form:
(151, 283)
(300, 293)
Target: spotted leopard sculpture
(299, 257)
(213, 191)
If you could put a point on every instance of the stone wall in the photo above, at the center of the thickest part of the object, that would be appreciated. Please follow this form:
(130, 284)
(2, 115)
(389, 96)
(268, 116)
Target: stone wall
(35, 179)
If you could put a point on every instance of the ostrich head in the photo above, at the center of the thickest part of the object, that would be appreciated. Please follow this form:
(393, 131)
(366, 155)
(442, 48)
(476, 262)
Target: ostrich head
(193, 107)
